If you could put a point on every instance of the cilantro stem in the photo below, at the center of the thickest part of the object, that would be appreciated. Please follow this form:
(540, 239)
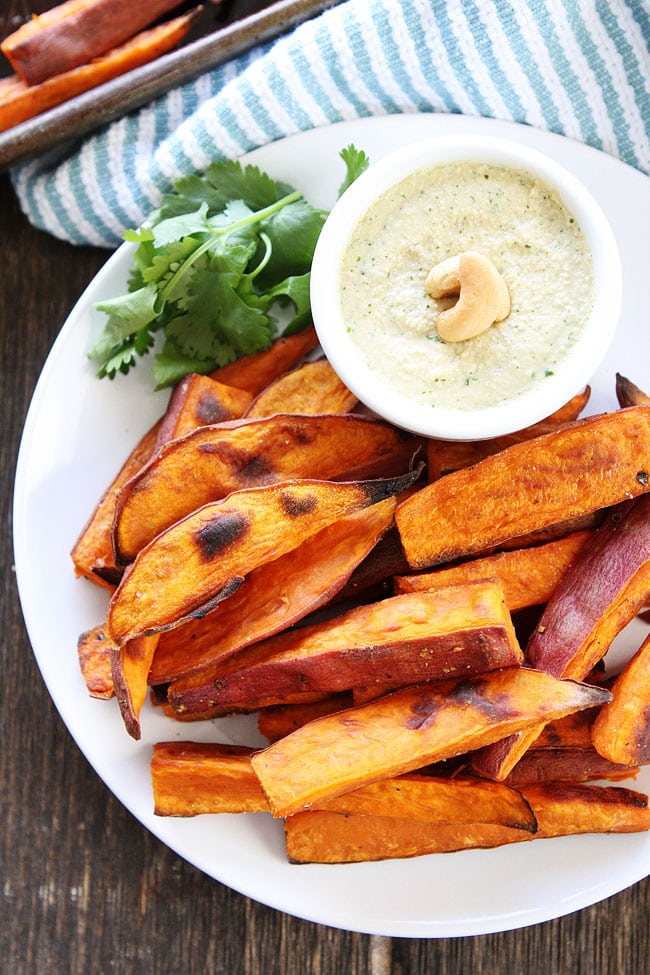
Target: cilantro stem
(256, 217)
(266, 257)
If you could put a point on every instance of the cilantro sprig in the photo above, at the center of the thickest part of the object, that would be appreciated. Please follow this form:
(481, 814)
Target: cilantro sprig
(222, 252)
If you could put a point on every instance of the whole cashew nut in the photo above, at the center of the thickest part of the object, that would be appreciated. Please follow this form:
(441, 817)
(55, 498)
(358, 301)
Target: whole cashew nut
(483, 296)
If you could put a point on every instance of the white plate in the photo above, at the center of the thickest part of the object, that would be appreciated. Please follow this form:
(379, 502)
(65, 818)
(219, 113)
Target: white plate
(77, 432)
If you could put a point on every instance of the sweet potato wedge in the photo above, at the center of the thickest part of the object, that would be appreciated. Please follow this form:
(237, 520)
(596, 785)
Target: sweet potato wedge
(603, 590)
(408, 729)
(566, 765)
(591, 464)
(76, 32)
(428, 799)
(458, 630)
(20, 101)
(192, 778)
(199, 401)
(313, 387)
(94, 652)
(529, 576)
(214, 461)
(185, 568)
(320, 836)
(276, 722)
(445, 456)
(130, 665)
(273, 597)
(255, 372)
(629, 394)
(92, 554)
(621, 731)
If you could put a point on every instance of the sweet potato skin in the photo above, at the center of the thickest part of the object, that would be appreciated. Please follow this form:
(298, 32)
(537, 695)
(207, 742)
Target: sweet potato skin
(621, 731)
(92, 553)
(75, 32)
(130, 665)
(214, 461)
(273, 597)
(408, 729)
(591, 464)
(459, 630)
(205, 556)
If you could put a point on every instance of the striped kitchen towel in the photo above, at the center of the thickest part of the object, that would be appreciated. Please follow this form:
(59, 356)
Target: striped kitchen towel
(576, 67)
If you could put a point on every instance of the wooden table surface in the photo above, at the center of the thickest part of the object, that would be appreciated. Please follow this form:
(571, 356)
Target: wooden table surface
(84, 887)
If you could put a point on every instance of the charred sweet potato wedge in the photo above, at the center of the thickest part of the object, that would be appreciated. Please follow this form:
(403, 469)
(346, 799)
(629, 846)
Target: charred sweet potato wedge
(273, 597)
(92, 554)
(255, 372)
(76, 32)
(20, 101)
(629, 394)
(214, 461)
(529, 576)
(199, 401)
(94, 652)
(603, 590)
(313, 387)
(130, 665)
(458, 630)
(192, 778)
(621, 731)
(408, 729)
(591, 464)
(206, 555)
(320, 836)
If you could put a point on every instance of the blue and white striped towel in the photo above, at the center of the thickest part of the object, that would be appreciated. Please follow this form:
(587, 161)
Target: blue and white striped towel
(576, 67)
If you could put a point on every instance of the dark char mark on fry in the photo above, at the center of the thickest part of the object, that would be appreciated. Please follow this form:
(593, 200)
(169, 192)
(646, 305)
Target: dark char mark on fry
(295, 505)
(213, 538)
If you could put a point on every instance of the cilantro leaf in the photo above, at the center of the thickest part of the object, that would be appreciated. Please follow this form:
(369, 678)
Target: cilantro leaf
(222, 251)
(356, 163)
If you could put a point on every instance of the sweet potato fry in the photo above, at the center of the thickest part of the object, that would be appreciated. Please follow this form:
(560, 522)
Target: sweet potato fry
(603, 590)
(445, 456)
(428, 799)
(94, 651)
(629, 394)
(313, 387)
(76, 32)
(276, 722)
(130, 665)
(319, 836)
(199, 401)
(20, 101)
(621, 731)
(255, 372)
(566, 765)
(458, 630)
(408, 729)
(591, 464)
(214, 461)
(185, 568)
(272, 597)
(191, 778)
(529, 576)
(92, 554)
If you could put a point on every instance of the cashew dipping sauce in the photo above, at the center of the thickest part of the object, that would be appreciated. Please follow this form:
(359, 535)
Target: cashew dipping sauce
(512, 218)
